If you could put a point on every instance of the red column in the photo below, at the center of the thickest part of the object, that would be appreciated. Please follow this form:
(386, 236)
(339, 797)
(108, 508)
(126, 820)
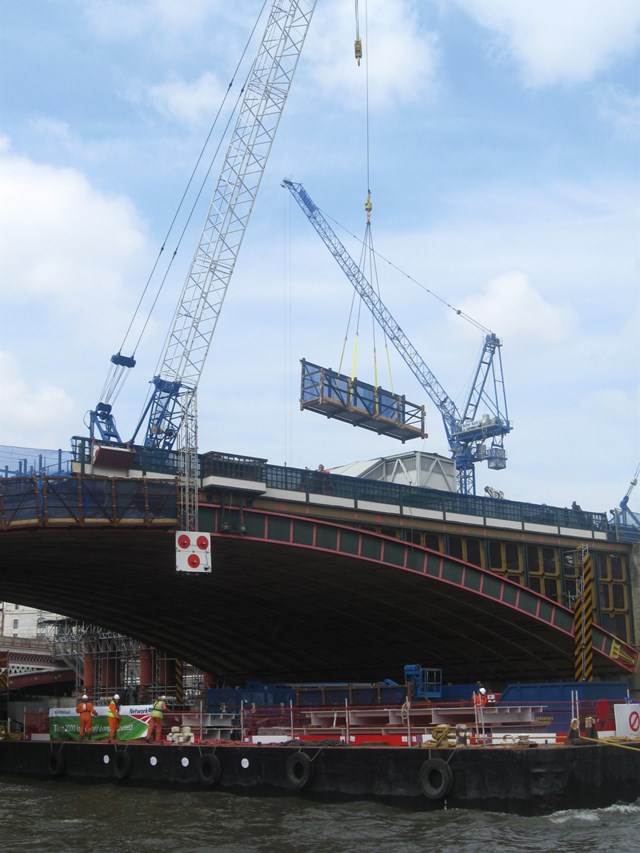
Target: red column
(146, 674)
(109, 675)
(89, 673)
(166, 671)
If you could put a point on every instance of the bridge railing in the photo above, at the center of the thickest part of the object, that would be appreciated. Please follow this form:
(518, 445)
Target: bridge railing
(26, 461)
(379, 491)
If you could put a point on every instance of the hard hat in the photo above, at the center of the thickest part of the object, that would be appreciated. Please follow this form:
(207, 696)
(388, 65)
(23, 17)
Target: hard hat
(115, 696)
(163, 698)
(84, 696)
(482, 690)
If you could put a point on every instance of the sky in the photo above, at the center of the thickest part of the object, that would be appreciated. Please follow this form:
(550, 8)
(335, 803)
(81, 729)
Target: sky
(500, 140)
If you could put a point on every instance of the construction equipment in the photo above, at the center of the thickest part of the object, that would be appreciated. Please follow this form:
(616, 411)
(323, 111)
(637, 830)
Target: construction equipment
(200, 304)
(467, 431)
(626, 521)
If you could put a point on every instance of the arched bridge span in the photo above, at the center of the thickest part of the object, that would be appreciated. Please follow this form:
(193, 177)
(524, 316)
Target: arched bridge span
(295, 599)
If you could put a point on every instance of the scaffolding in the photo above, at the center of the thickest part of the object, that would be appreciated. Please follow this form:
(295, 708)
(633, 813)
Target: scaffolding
(105, 662)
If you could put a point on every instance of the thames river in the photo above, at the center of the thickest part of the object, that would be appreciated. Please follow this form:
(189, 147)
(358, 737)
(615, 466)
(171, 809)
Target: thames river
(64, 816)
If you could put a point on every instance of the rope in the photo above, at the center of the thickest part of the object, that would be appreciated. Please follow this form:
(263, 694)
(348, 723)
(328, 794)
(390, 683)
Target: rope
(610, 743)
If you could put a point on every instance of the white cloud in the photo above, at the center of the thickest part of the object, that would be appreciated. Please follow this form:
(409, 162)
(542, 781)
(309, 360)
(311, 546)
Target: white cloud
(191, 102)
(63, 241)
(399, 58)
(31, 414)
(74, 261)
(569, 41)
(511, 302)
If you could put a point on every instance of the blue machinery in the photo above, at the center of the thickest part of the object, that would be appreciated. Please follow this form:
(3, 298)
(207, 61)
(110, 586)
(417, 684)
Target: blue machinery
(467, 431)
(425, 683)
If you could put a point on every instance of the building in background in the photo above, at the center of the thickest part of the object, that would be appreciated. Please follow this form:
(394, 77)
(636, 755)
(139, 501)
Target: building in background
(16, 620)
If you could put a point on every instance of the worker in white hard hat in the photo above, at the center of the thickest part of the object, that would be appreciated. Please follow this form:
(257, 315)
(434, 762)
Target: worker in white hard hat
(86, 711)
(154, 732)
(480, 697)
(113, 716)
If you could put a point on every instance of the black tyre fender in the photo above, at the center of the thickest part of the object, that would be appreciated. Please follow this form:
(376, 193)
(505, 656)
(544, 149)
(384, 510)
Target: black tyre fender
(436, 778)
(299, 770)
(209, 769)
(56, 763)
(122, 765)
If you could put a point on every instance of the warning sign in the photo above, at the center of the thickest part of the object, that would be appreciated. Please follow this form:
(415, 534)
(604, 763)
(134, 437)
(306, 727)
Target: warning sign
(193, 551)
(627, 720)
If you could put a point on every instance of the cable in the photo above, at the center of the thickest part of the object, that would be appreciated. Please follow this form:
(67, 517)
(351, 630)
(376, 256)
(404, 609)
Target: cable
(116, 376)
(457, 311)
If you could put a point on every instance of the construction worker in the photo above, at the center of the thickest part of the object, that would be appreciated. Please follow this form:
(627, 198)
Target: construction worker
(154, 732)
(86, 711)
(113, 715)
(480, 697)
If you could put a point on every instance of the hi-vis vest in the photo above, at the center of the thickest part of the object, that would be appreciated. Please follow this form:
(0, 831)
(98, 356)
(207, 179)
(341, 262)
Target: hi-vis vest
(157, 709)
(112, 711)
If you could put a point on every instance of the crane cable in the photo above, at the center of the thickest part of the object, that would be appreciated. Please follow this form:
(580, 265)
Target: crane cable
(114, 381)
(368, 254)
(413, 280)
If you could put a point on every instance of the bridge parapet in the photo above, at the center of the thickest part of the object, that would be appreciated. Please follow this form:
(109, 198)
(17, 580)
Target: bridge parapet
(24, 500)
(63, 501)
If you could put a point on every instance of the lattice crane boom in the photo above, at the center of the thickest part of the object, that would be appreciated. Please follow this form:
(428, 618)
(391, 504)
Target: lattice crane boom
(466, 433)
(187, 344)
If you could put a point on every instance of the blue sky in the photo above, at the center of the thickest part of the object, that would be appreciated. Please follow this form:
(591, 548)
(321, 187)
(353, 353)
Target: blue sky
(504, 167)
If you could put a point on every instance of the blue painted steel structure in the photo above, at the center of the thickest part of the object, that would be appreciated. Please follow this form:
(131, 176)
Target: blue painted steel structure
(467, 432)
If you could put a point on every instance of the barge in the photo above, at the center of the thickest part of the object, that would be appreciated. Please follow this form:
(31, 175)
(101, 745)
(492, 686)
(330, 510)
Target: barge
(527, 779)
(528, 758)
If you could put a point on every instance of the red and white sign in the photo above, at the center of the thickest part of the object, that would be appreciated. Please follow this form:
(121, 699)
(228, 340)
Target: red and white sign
(627, 720)
(193, 551)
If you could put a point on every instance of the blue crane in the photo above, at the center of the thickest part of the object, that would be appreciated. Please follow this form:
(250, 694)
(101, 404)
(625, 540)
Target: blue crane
(625, 517)
(187, 344)
(467, 431)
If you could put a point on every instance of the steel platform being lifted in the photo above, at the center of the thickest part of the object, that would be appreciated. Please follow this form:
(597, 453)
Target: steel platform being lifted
(335, 395)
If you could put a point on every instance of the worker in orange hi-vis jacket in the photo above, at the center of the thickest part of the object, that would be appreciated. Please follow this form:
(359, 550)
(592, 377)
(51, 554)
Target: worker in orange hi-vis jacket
(113, 715)
(86, 711)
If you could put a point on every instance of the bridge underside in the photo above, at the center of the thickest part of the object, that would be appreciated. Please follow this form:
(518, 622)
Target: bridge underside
(281, 611)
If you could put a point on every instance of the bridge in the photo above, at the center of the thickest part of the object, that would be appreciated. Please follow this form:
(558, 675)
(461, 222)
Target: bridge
(295, 594)
(27, 662)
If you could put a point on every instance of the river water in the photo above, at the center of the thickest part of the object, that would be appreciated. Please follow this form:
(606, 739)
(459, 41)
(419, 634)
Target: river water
(64, 816)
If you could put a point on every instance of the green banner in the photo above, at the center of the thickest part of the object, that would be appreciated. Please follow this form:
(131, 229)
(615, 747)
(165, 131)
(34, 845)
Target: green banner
(67, 727)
